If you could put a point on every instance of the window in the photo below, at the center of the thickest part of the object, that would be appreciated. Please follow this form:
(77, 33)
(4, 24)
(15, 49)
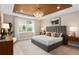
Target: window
(26, 26)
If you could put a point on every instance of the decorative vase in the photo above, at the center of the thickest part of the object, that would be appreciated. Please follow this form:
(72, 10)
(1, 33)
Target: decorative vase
(8, 38)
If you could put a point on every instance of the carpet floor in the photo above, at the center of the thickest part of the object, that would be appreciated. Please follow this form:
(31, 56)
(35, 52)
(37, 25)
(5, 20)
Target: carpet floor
(26, 47)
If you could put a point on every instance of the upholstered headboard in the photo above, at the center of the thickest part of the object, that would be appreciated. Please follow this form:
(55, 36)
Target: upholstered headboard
(0, 24)
(58, 29)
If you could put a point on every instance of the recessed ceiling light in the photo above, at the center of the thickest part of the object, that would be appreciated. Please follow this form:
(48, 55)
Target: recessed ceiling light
(16, 11)
(21, 10)
(58, 7)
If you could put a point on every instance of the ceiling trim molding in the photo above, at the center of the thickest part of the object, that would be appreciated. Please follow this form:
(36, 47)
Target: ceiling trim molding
(9, 11)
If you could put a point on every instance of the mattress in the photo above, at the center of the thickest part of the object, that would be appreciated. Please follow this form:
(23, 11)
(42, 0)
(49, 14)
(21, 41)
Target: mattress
(47, 40)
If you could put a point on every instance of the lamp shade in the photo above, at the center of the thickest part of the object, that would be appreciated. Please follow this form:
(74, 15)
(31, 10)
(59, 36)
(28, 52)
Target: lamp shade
(73, 29)
(42, 28)
(5, 26)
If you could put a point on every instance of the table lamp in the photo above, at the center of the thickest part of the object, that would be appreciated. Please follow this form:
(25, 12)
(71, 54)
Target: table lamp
(4, 31)
(73, 30)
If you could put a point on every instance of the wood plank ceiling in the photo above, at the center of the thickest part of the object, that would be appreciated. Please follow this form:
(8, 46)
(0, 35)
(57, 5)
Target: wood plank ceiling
(29, 9)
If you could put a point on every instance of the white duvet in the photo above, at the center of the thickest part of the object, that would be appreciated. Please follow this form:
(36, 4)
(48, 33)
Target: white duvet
(47, 40)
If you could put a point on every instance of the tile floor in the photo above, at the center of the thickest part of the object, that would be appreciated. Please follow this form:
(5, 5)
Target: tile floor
(25, 47)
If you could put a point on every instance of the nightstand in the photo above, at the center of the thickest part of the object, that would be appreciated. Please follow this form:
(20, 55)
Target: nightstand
(73, 41)
(65, 39)
(71, 38)
(6, 47)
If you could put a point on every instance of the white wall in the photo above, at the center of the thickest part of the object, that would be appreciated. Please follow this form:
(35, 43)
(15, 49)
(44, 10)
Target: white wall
(71, 19)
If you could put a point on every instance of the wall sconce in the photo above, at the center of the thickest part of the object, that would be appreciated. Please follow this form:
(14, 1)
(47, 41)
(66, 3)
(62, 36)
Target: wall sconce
(73, 31)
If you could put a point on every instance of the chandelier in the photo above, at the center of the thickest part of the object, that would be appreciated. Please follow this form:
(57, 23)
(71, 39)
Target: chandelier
(38, 13)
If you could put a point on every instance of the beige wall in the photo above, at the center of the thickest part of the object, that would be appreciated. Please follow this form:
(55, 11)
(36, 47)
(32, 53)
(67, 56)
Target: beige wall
(71, 19)
(37, 27)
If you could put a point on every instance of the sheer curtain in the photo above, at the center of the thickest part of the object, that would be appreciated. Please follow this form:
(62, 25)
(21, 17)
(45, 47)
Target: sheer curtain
(21, 30)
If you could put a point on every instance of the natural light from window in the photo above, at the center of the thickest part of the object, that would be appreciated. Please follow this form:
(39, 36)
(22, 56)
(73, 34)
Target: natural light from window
(26, 26)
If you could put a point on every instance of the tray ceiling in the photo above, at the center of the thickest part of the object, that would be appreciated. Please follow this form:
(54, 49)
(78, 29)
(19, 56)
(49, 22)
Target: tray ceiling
(29, 9)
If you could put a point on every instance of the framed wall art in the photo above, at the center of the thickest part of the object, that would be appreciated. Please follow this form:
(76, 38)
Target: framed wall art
(56, 21)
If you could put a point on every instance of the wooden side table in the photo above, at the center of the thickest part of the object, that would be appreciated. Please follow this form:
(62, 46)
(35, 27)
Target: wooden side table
(71, 38)
(73, 41)
(6, 47)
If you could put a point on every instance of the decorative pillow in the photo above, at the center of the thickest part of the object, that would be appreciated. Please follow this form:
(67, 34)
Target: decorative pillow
(61, 34)
(48, 33)
(0, 36)
(53, 34)
(58, 34)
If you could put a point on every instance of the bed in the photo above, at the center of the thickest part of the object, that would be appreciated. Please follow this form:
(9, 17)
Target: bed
(49, 43)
